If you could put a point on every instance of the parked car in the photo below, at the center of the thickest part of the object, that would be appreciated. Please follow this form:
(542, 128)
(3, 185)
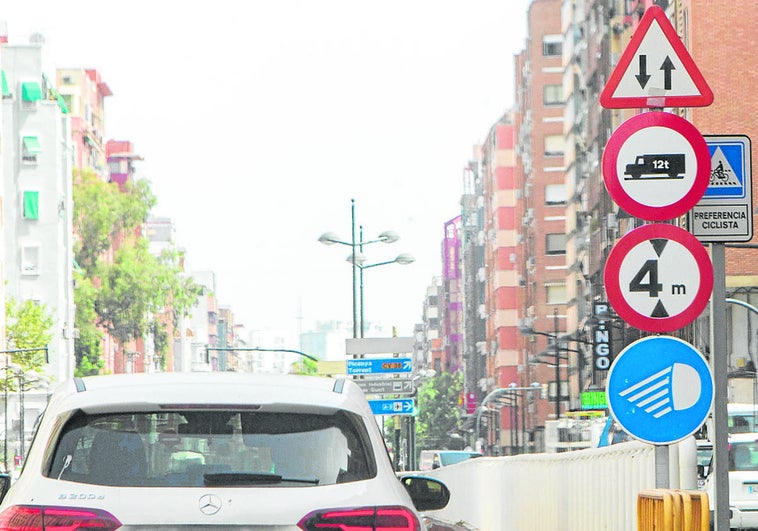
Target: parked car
(212, 451)
(431, 459)
(743, 480)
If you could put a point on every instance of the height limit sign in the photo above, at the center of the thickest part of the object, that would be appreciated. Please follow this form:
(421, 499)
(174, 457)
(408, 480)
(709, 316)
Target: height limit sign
(658, 277)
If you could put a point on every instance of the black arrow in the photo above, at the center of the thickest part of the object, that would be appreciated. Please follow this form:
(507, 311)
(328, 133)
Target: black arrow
(667, 67)
(642, 77)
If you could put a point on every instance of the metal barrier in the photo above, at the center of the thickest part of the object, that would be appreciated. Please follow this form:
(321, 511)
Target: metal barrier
(584, 490)
(672, 510)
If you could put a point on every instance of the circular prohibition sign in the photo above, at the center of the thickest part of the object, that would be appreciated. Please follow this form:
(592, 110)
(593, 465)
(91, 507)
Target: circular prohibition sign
(656, 166)
(658, 277)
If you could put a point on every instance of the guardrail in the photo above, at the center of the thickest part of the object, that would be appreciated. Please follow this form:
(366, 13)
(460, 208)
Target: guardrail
(583, 490)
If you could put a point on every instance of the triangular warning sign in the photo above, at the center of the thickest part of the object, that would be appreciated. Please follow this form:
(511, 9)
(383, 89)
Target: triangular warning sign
(655, 70)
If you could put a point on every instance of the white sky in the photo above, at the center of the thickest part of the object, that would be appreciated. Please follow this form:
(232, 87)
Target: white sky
(260, 120)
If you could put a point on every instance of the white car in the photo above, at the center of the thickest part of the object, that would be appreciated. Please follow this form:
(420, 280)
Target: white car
(213, 451)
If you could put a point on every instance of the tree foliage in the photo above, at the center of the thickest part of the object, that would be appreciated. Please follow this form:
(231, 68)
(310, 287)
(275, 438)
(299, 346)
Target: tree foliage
(28, 326)
(438, 412)
(126, 296)
(102, 212)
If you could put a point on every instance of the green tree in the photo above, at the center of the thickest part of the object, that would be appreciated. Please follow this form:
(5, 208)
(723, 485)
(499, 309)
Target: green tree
(87, 345)
(135, 290)
(28, 326)
(127, 296)
(438, 412)
(102, 211)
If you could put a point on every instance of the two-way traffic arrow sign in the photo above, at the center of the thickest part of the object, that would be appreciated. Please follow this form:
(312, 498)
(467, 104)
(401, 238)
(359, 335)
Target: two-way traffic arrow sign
(655, 70)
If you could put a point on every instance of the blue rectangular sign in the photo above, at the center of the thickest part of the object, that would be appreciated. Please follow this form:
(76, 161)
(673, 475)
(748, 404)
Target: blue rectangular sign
(379, 366)
(399, 406)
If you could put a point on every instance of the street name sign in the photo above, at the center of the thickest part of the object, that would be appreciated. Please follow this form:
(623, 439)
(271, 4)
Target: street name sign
(379, 345)
(379, 365)
(660, 389)
(398, 406)
(725, 212)
(394, 386)
(658, 277)
(655, 70)
(656, 166)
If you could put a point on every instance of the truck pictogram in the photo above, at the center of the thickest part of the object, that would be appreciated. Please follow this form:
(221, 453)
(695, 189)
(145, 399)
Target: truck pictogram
(659, 166)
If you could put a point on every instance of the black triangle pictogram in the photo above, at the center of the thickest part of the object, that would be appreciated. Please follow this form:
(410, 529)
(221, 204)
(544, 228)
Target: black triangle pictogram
(659, 311)
(658, 245)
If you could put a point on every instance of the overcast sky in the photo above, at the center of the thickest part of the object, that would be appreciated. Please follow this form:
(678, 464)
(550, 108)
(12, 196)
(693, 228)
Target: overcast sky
(259, 120)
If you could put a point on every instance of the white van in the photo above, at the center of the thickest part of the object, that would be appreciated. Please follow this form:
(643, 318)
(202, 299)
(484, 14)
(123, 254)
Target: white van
(743, 418)
(743, 480)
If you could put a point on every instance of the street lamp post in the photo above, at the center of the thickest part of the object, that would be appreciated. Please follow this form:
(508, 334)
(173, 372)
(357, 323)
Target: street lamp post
(329, 238)
(557, 354)
(516, 390)
(16, 370)
(402, 259)
(24, 378)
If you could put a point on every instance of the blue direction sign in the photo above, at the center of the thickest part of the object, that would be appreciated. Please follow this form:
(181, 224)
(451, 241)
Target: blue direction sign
(660, 389)
(398, 406)
(379, 365)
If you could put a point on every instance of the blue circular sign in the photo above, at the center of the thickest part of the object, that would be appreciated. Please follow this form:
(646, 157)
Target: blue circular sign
(660, 389)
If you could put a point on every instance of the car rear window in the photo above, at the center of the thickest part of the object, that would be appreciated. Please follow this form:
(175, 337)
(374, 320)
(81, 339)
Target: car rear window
(212, 448)
(743, 456)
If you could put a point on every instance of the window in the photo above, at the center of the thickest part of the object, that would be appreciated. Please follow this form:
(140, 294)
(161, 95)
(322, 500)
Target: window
(552, 45)
(555, 194)
(30, 149)
(31, 205)
(555, 243)
(552, 95)
(554, 145)
(555, 293)
(30, 260)
(212, 448)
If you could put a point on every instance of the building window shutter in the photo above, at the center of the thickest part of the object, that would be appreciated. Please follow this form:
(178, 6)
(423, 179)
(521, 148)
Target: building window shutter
(31, 91)
(31, 205)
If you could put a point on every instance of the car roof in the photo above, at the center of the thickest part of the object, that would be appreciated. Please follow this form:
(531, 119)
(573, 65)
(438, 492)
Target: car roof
(743, 437)
(736, 407)
(213, 390)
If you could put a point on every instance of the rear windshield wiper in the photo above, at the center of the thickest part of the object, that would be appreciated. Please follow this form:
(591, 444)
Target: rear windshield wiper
(217, 479)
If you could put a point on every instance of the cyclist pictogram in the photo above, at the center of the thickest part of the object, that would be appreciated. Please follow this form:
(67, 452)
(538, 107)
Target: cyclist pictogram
(722, 175)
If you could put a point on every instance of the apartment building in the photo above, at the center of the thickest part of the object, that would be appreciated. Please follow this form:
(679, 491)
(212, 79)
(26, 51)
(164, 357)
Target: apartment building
(540, 174)
(38, 201)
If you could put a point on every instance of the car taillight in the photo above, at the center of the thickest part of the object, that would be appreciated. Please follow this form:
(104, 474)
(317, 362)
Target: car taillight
(361, 519)
(41, 518)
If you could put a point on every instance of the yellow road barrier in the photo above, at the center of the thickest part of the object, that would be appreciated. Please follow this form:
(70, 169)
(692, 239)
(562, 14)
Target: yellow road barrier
(672, 510)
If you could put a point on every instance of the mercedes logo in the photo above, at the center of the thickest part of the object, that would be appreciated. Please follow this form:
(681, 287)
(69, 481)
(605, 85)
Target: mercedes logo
(209, 504)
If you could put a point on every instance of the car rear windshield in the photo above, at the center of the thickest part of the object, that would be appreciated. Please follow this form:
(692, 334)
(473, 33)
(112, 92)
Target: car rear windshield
(212, 448)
